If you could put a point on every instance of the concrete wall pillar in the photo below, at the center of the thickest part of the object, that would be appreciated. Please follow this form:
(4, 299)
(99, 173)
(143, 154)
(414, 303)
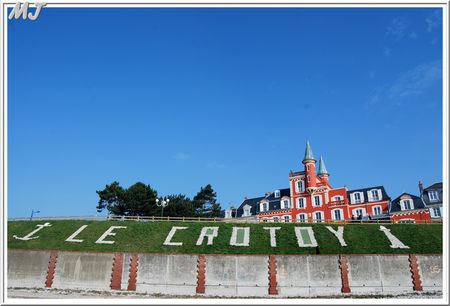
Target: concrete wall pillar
(51, 269)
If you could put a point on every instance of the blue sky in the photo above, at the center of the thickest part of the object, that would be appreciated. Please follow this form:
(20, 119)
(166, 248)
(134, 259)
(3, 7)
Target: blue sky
(183, 97)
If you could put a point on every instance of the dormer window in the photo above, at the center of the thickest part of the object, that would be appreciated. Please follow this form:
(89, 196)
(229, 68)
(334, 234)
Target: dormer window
(285, 204)
(433, 196)
(228, 213)
(358, 197)
(374, 195)
(264, 206)
(277, 193)
(406, 204)
(247, 210)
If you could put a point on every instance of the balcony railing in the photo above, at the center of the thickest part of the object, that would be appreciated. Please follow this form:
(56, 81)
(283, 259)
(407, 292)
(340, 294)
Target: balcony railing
(337, 202)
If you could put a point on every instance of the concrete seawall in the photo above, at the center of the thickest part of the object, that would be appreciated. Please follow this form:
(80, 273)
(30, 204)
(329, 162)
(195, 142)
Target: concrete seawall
(226, 275)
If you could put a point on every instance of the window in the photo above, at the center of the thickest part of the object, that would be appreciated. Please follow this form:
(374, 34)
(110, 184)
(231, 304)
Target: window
(318, 216)
(359, 212)
(247, 210)
(285, 204)
(301, 203)
(357, 197)
(433, 196)
(286, 218)
(227, 214)
(436, 212)
(301, 218)
(377, 210)
(317, 200)
(276, 219)
(277, 193)
(406, 205)
(374, 194)
(264, 219)
(265, 208)
(300, 186)
(309, 179)
(307, 167)
(337, 214)
(336, 198)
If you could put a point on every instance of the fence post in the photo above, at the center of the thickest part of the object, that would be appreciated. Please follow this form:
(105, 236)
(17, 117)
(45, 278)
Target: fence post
(153, 218)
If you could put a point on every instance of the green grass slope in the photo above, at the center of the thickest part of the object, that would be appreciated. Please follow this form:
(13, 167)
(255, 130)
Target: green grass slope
(148, 237)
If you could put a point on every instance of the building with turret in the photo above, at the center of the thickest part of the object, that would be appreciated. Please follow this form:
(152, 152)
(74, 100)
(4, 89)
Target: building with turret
(311, 198)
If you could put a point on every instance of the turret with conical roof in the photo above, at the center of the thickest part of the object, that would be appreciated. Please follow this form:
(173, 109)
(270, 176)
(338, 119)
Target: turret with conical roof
(322, 169)
(308, 153)
(323, 174)
(310, 169)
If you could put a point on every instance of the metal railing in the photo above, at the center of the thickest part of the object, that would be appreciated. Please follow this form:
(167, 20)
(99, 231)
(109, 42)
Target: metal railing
(222, 220)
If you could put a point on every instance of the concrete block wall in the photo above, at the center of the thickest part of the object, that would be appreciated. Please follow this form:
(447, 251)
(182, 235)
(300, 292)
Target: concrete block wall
(226, 275)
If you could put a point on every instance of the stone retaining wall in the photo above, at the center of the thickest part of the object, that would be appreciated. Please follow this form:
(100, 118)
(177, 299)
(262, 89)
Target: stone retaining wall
(226, 275)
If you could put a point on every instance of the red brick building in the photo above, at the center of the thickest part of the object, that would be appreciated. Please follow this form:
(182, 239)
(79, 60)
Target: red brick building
(310, 198)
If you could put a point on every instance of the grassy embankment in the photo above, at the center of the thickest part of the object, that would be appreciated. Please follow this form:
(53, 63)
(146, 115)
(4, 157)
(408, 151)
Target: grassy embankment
(148, 237)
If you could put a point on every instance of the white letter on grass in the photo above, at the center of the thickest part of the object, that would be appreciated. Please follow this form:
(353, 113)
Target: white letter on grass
(246, 238)
(273, 238)
(395, 243)
(339, 234)
(70, 239)
(170, 235)
(209, 232)
(305, 237)
(108, 233)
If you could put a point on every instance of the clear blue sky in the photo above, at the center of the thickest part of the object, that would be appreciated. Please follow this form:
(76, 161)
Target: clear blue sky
(183, 97)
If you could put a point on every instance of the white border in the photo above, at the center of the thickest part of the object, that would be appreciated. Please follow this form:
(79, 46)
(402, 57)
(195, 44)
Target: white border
(249, 3)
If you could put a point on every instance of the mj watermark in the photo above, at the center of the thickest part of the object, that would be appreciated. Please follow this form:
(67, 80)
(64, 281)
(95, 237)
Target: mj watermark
(22, 10)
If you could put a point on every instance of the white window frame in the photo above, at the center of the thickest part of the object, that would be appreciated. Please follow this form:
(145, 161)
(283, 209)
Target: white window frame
(341, 212)
(298, 203)
(355, 211)
(435, 198)
(283, 218)
(353, 197)
(261, 206)
(313, 200)
(377, 206)
(337, 198)
(276, 194)
(302, 214)
(371, 198)
(433, 212)
(228, 214)
(282, 203)
(276, 218)
(402, 204)
(322, 216)
(247, 211)
(299, 186)
(264, 220)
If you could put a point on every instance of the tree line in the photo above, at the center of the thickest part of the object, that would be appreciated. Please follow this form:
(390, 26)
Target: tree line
(140, 200)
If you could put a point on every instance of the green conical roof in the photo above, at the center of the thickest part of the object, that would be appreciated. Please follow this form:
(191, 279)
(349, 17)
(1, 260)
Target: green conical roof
(308, 152)
(322, 169)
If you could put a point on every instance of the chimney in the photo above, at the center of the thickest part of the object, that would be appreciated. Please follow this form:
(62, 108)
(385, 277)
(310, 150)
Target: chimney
(245, 197)
(267, 194)
(420, 187)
